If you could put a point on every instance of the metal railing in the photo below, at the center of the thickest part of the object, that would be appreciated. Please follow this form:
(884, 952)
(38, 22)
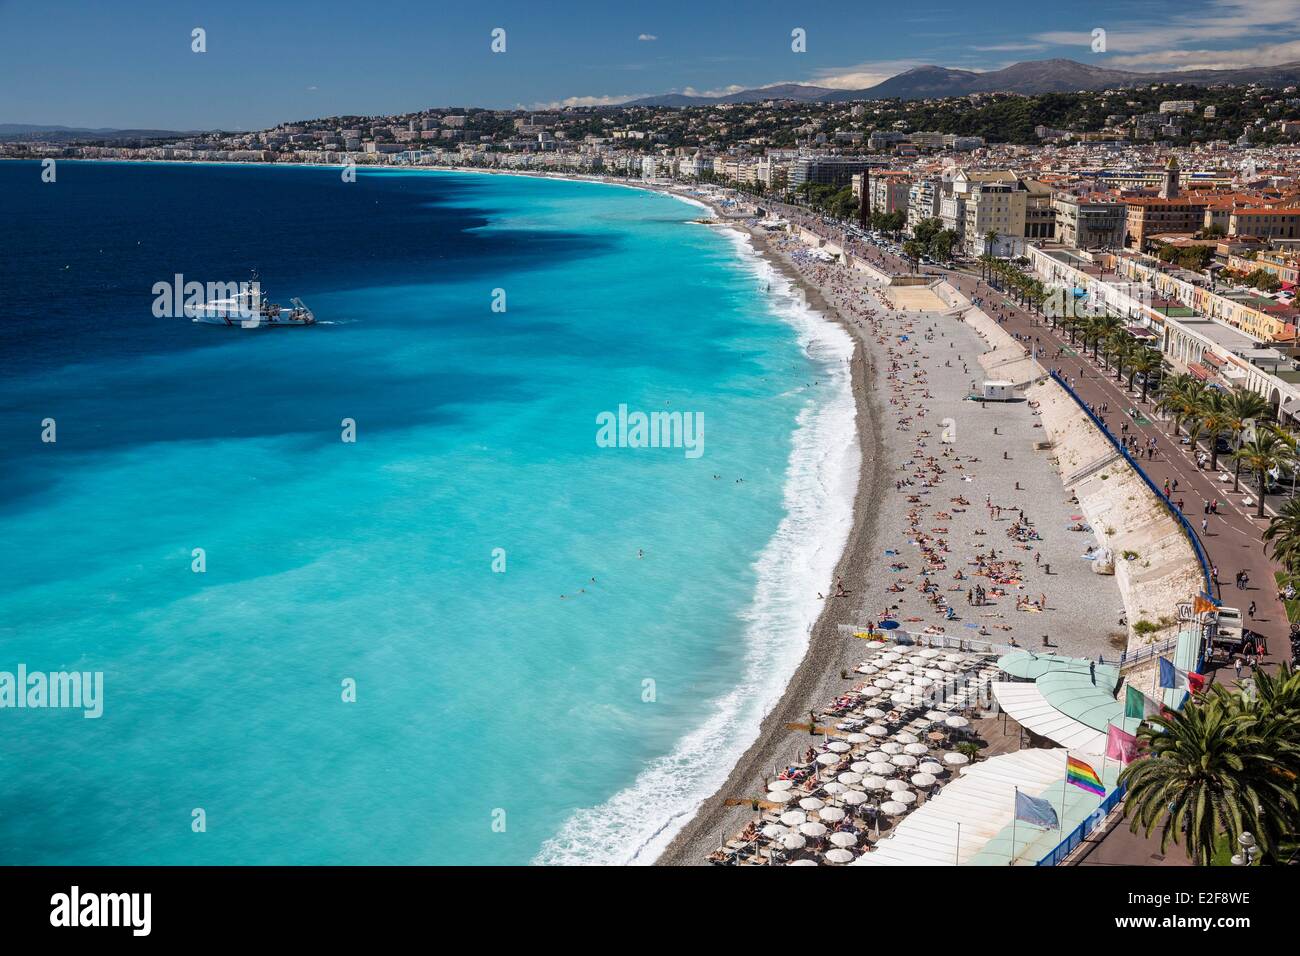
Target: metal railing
(1080, 833)
(1126, 659)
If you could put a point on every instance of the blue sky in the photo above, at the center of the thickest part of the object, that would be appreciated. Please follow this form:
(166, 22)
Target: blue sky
(128, 63)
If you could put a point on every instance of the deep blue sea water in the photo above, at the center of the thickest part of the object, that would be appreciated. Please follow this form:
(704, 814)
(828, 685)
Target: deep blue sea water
(482, 697)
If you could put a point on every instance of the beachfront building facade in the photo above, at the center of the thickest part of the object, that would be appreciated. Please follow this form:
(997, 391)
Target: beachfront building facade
(1090, 222)
(993, 202)
(1148, 216)
(827, 170)
(923, 201)
(1192, 341)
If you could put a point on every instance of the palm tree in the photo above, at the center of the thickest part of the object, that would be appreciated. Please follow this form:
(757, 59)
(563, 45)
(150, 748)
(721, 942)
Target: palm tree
(1244, 407)
(1268, 451)
(1179, 398)
(1145, 362)
(1283, 534)
(1120, 346)
(1103, 327)
(1211, 770)
(1216, 419)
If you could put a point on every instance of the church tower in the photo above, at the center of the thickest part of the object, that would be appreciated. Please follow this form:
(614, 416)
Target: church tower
(1170, 189)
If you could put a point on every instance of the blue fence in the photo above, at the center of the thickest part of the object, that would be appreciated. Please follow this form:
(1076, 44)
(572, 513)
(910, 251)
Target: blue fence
(1080, 833)
(1173, 508)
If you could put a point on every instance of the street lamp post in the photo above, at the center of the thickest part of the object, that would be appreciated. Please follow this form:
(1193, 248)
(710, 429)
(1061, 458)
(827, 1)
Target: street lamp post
(1249, 850)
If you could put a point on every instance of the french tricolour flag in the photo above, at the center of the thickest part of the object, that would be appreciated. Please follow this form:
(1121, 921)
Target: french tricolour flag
(1178, 679)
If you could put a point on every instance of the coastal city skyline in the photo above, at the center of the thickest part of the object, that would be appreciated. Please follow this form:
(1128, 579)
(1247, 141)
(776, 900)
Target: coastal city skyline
(684, 436)
(307, 65)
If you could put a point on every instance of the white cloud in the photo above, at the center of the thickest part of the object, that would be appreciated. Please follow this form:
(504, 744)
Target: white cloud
(1268, 54)
(722, 91)
(1010, 47)
(647, 37)
(861, 75)
(1220, 21)
(589, 101)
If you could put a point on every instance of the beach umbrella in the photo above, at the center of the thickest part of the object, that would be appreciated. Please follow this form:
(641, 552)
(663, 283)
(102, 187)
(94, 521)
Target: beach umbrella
(955, 658)
(930, 767)
(937, 674)
(883, 769)
(889, 657)
(905, 796)
(849, 778)
(858, 738)
(854, 797)
(774, 831)
(813, 829)
(780, 785)
(828, 760)
(859, 766)
(903, 760)
(893, 786)
(891, 748)
(811, 803)
(901, 698)
(923, 779)
(794, 841)
(878, 730)
(906, 667)
(838, 746)
(906, 737)
(955, 759)
(923, 682)
(955, 722)
(929, 654)
(873, 713)
(844, 839)
(946, 666)
(884, 683)
(898, 676)
(802, 863)
(916, 750)
(780, 796)
(832, 814)
(838, 855)
(891, 808)
(792, 818)
(875, 782)
(870, 692)
(834, 788)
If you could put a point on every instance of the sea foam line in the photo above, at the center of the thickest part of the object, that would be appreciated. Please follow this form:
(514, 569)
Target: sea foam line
(637, 823)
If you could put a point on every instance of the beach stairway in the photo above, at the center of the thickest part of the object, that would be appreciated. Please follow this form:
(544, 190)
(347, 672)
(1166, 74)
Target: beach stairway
(1091, 469)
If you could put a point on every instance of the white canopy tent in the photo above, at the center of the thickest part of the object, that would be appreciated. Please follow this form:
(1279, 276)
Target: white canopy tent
(1027, 706)
(982, 801)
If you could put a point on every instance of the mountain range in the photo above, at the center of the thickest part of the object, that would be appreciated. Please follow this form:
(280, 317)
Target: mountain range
(1029, 77)
(18, 132)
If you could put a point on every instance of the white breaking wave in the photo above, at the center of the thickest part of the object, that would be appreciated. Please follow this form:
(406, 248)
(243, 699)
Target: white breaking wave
(637, 824)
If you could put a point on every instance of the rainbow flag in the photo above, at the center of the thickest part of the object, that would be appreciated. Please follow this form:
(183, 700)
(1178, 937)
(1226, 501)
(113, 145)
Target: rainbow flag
(1084, 777)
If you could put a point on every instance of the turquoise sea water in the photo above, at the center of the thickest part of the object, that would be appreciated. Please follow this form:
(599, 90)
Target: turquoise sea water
(482, 697)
